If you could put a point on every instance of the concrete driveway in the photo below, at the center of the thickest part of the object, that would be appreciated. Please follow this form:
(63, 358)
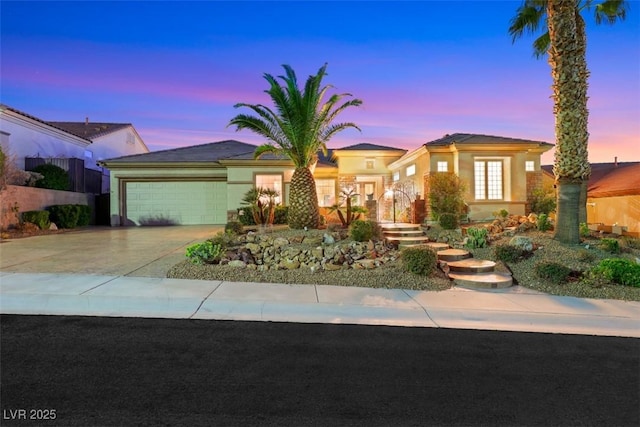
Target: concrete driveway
(117, 251)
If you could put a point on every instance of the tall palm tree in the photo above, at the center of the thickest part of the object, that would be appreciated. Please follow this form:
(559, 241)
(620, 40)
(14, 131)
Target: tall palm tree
(565, 42)
(300, 126)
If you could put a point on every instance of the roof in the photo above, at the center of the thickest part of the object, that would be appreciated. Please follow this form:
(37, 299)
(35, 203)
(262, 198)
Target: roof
(88, 129)
(51, 124)
(211, 152)
(611, 179)
(365, 146)
(472, 138)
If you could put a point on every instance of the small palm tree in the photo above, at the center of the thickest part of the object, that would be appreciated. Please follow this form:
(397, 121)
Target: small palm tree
(300, 126)
(263, 204)
(565, 42)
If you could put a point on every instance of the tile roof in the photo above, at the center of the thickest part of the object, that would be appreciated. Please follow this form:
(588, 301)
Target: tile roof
(472, 138)
(52, 124)
(211, 152)
(89, 130)
(611, 179)
(365, 146)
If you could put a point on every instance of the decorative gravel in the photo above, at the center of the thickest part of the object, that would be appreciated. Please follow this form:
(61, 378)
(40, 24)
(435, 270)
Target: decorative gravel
(392, 275)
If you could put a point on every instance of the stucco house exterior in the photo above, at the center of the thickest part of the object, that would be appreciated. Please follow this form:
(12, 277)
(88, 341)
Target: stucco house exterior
(204, 184)
(26, 136)
(499, 172)
(613, 195)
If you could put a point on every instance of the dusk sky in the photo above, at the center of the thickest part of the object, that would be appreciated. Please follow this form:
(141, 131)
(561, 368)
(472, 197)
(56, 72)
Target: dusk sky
(422, 68)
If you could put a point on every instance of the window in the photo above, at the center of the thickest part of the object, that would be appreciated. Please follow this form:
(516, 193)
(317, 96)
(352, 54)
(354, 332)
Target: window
(326, 189)
(370, 163)
(529, 166)
(488, 179)
(411, 170)
(443, 167)
(272, 182)
(396, 176)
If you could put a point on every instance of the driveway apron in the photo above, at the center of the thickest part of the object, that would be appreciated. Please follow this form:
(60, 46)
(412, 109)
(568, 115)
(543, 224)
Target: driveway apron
(116, 251)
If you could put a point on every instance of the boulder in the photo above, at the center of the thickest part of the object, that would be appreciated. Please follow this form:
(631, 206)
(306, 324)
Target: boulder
(237, 263)
(53, 226)
(328, 239)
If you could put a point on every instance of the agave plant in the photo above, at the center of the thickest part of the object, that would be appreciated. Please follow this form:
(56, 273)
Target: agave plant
(263, 204)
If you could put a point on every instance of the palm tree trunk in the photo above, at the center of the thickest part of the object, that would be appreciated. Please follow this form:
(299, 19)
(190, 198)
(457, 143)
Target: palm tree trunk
(582, 208)
(568, 69)
(303, 200)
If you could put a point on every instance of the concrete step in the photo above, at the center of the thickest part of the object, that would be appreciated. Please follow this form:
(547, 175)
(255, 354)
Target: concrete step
(482, 280)
(438, 246)
(453, 255)
(399, 227)
(471, 265)
(407, 233)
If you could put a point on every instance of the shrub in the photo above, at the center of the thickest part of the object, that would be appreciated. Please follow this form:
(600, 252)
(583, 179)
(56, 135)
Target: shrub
(245, 215)
(585, 255)
(543, 200)
(361, 231)
(39, 218)
(618, 270)
(156, 220)
(203, 253)
(420, 260)
(477, 237)
(509, 253)
(70, 216)
(630, 242)
(502, 213)
(610, 245)
(223, 239)
(281, 214)
(449, 221)
(234, 227)
(54, 177)
(584, 230)
(553, 272)
(446, 197)
(543, 222)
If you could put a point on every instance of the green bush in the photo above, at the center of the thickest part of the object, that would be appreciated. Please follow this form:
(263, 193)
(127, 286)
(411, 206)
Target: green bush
(584, 230)
(610, 245)
(618, 270)
(420, 260)
(543, 222)
(553, 272)
(449, 221)
(70, 216)
(586, 255)
(509, 253)
(54, 177)
(361, 231)
(203, 253)
(446, 197)
(224, 239)
(543, 201)
(477, 237)
(281, 214)
(39, 218)
(234, 227)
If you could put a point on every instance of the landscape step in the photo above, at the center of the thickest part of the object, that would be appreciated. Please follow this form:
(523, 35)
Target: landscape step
(391, 233)
(453, 255)
(471, 265)
(482, 280)
(438, 246)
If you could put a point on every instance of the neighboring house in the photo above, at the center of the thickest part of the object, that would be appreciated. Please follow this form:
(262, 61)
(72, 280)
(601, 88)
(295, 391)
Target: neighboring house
(27, 136)
(499, 173)
(613, 194)
(205, 184)
(108, 140)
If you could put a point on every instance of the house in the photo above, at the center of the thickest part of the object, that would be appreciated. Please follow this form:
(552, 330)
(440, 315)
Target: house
(72, 144)
(205, 184)
(613, 195)
(499, 172)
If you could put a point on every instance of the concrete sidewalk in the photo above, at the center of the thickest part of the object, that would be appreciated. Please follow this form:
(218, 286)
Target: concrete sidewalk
(512, 309)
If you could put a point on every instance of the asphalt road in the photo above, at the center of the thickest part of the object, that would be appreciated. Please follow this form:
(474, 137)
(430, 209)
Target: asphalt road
(92, 371)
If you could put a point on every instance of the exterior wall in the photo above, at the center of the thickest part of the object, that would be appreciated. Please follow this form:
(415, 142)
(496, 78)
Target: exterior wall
(623, 211)
(25, 137)
(35, 199)
(123, 142)
(242, 179)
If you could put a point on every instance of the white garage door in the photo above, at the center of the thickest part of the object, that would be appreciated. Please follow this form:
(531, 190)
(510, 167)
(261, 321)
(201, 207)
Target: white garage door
(185, 202)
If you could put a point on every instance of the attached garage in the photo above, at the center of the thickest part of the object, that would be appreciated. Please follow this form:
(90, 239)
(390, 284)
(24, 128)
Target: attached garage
(185, 202)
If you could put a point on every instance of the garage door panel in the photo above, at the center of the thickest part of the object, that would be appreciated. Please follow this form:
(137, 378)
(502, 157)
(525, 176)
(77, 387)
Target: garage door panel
(186, 202)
